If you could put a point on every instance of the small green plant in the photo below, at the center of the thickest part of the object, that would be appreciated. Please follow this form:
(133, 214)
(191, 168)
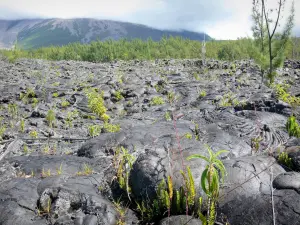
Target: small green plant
(210, 181)
(87, 170)
(94, 130)
(46, 150)
(28, 95)
(196, 76)
(111, 128)
(55, 84)
(202, 94)
(55, 95)
(118, 95)
(168, 116)
(188, 136)
(59, 170)
(285, 160)
(171, 97)
(255, 143)
(293, 127)
(46, 173)
(34, 103)
(96, 104)
(70, 117)
(50, 117)
(123, 162)
(157, 101)
(64, 103)
(46, 211)
(25, 149)
(170, 200)
(2, 131)
(33, 134)
(121, 211)
(13, 110)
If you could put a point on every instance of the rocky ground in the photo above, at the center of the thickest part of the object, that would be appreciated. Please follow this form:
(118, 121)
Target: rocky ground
(65, 170)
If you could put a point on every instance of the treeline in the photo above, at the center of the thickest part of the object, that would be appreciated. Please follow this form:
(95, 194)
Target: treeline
(173, 47)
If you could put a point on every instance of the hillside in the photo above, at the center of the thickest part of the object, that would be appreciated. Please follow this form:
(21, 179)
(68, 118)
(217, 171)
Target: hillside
(40, 33)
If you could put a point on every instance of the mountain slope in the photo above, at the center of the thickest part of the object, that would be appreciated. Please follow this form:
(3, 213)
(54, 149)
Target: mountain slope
(39, 33)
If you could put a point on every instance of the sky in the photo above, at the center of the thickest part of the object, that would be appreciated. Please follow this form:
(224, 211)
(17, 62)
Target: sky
(221, 19)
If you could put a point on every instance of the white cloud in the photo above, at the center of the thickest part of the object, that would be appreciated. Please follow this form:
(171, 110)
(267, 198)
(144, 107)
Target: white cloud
(222, 19)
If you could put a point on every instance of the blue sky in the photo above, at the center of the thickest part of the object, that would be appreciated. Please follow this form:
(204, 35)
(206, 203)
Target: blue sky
(222, 19)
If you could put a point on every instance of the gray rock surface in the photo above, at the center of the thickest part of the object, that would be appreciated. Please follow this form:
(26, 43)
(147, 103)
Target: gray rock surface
(66, 176)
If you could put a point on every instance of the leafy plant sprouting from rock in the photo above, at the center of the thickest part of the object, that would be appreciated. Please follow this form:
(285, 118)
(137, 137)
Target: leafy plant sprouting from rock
(123, 162)
(210, 182)
(293, 127)
(283, 95)
(22, 125)
(170, 200)
(284, 159)
(28, 95)
(13, 110)
(157, 101)
(111, 128)
(33, 134)
(86, 170)
(96, 103)
(94, 130)
(2, 129)
(50, 117)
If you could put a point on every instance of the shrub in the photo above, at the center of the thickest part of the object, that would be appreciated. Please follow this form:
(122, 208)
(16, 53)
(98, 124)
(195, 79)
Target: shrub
(157, 101)
(50, 117)
(293, 127)
(96, 104)
(111, 128)
(94, 130)
(285, 160)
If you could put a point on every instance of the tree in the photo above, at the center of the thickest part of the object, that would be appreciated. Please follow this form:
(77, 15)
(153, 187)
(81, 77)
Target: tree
(269, 47)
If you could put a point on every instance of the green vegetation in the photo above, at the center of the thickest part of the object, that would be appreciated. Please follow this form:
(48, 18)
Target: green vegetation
(27, 96)
(55, 95)
(33, 134)
(293, 127)
(285, 160)
(22, 125)
(64, 103)
(123, 162)
(210, 182)
(118, 95)
(71, 116)
(269, 46)
(86, 170)
(157, 101)
(35, 101)
(2, 130)
(13, 110)
(188, 136)
(50, 117)
(96, 103)
(94, 130)
(202, 94)
(283, 95)
(111, 128)
(168, 116)
(178, 48)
